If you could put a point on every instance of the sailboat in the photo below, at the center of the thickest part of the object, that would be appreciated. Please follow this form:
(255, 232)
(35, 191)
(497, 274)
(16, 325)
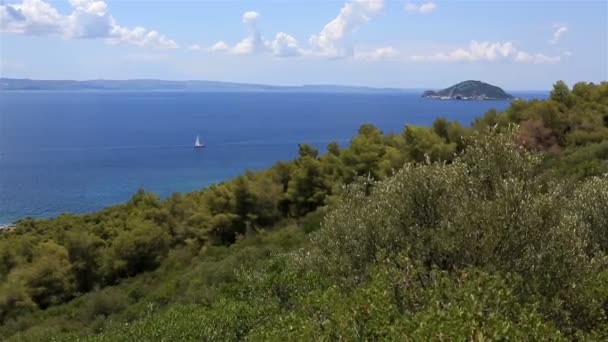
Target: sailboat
(198, 144)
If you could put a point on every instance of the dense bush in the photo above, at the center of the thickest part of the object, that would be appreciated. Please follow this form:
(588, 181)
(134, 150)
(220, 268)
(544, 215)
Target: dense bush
(483, 248)
(443, 232)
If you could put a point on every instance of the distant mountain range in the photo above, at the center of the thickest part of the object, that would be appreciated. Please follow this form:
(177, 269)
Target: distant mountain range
(161, 85)
(469, 90)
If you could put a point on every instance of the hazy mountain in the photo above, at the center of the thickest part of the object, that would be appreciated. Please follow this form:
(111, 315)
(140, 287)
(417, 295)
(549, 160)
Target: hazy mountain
(161, 85)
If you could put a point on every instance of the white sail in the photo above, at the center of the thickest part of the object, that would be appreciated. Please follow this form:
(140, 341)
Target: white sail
(198, 143)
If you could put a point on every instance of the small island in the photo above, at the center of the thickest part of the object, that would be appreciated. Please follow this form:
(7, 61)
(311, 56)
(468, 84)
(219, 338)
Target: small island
(469, 90)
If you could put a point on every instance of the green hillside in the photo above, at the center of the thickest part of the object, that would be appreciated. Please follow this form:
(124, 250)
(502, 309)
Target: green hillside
(470, 90)
(496, 231)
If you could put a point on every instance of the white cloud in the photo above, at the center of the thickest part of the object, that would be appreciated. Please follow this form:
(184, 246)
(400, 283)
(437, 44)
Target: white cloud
(89, 19)
(285, 45)
(141, 37)
(90, 6)
(250, 17)
(558, 33)
(476, 51)
(34, 17)
(333, 40)
(487, 51)
(220, 46)
(194, 47)
(426, 7)
(537, 58)
(247, 46)
(379, 54)
(251, 44)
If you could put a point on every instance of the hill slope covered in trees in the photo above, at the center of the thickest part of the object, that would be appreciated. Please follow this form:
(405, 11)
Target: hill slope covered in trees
(483, 232)
(469, 90)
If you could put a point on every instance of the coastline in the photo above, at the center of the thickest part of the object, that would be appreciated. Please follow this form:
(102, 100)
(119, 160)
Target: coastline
(456, 98)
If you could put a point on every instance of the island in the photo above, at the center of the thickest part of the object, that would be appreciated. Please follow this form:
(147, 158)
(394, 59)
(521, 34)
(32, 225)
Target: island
(469, 90)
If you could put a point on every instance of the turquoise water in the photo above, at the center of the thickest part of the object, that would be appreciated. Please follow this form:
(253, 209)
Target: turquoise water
(81, 151)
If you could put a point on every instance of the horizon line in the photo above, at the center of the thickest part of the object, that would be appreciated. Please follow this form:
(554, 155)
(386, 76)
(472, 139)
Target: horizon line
(254, 83)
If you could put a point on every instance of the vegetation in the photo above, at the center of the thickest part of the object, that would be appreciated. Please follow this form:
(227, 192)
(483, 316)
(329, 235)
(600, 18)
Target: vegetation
(470, 90)
(495, 231)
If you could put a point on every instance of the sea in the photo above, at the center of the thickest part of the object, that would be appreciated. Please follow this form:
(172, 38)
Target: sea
(81, 151)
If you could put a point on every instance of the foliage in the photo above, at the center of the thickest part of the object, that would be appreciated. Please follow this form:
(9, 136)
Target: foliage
(495, 231)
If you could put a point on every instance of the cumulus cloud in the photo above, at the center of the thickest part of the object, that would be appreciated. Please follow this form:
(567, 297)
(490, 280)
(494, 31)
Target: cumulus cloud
(283, 45)
(220, 46)
(333, 41)
(141, 37)
(34, 17)
(487, 51)
(250, 17)
(11, 14)
(423, 8)
(334, 38)
(558, 33)
(248, 46)
(474, 52)
(89, 19)
(251, 44)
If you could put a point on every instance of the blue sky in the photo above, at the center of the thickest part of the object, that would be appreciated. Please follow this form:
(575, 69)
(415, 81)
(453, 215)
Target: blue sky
(519, 45)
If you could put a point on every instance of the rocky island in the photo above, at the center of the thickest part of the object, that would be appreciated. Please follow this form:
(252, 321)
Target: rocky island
(469, 90)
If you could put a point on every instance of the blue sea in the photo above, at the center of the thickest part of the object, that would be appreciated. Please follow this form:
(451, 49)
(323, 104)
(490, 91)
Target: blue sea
(81, 151)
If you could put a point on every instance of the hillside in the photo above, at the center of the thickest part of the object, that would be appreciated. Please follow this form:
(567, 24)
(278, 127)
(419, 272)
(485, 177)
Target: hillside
(489, 232)
(13, 84)
(469, 90)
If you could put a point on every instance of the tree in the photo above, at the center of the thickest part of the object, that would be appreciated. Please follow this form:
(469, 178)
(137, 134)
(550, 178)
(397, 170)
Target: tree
(305, 150)
(422, 141)
(244, 204)
(267, 196)
(15, 302)
(307, 188)
(534, 136)
(333, 148)
(85, 250)
(140, 248)
(48, 279)
(440, 127)
(363, 157)
(560, 92)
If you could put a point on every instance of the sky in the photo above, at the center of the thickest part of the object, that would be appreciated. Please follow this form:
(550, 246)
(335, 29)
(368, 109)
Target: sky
(518, 45)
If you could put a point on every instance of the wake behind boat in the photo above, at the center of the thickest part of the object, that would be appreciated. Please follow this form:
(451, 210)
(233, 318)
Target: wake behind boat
(198, 144)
